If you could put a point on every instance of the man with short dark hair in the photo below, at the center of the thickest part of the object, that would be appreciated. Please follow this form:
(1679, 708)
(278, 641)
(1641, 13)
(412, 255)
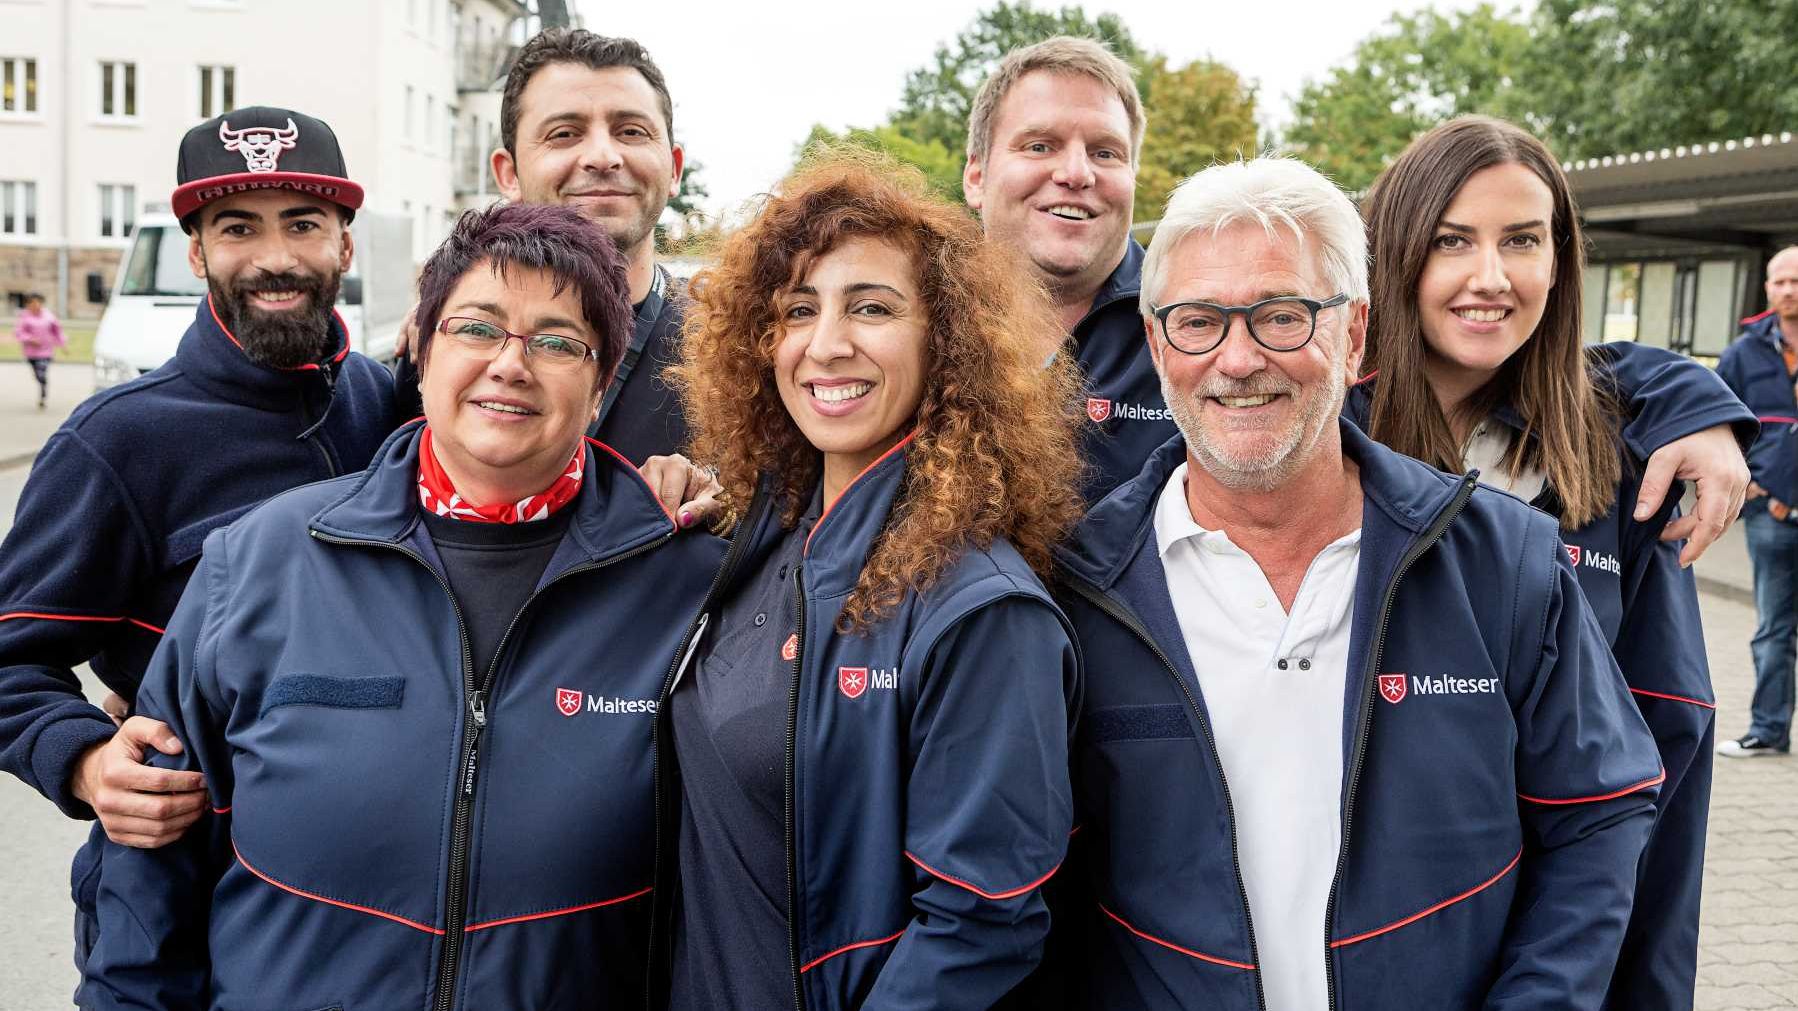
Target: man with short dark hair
(263, 395)
(587, 121)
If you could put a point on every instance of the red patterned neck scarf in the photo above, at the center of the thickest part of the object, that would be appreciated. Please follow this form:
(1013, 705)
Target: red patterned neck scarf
(438, 494)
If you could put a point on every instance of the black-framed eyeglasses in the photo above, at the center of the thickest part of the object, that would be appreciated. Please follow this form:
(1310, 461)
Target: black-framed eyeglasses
(1286, 323)
(551, 350)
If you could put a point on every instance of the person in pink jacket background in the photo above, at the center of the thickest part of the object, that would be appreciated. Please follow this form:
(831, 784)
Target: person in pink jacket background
(39, 333)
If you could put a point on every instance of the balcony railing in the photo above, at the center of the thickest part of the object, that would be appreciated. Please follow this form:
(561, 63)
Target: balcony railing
(481, 66)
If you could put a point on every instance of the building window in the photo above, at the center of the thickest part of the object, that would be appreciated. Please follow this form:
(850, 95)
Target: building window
(18, 84)
(118, 90)
(410, 98)
(118, 211)
(430, 120)
(218, 91)
(18, 208)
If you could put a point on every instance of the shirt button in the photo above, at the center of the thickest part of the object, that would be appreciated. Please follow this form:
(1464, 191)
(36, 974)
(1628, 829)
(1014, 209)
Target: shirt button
(1304, 664)
(761, 619)
(1282, 664)
(1260, 601)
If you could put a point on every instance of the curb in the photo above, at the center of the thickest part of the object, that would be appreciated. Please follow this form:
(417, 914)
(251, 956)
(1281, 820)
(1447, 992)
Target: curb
(9, 461)
(1725, 591)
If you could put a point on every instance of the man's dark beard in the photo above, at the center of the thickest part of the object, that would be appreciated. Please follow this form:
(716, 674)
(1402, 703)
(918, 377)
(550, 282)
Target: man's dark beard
(281, 339)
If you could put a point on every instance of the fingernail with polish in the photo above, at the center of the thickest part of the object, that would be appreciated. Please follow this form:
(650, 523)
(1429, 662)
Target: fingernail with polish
(686, 520)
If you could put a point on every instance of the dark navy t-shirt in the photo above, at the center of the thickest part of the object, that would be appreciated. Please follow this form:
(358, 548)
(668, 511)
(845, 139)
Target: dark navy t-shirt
(493, 568)
(730, 731)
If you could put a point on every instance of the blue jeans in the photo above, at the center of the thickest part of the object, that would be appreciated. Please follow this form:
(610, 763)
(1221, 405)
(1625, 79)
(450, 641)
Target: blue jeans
(1773, 548)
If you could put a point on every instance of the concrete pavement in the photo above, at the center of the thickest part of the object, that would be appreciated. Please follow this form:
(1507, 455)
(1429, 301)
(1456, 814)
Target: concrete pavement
(23, 427)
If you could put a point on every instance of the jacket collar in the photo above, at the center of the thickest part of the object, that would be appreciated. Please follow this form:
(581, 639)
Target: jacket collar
(615, 511)
(1402, 490)
(1124, 285)
(211, 355)
(1359, 405)
(838, 545)
(1766, 327)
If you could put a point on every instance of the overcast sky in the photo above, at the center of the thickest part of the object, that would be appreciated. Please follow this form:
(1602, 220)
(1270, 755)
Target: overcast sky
(750, 79)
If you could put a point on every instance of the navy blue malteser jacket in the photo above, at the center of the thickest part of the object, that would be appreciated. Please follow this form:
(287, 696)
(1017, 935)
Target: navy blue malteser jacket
(111, 520)
(1647, 607)
(1754, 367)
(393, 828)
(1127, 417)
(1490, 838)
(927, 791)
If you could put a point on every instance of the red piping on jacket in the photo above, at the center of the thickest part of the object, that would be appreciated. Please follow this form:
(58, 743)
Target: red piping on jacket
(424, 927)
(1012, 894)
(1152, 939)
(414, 924)
(1365, 378)
(1757, 317)
(814, 963)
(558, 912)
(78, 617)
(637, 474)
(1776, 419)
(222, 810)
(1643, 785)
(828, 506)
(1673, 698)
(1445, 903)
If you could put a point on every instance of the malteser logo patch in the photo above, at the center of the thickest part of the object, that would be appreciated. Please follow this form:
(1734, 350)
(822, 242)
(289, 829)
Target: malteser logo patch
(568, 701)
(853, 681)
(789, 650)
(1593, 559)
(1098, 408)
(1392, 688)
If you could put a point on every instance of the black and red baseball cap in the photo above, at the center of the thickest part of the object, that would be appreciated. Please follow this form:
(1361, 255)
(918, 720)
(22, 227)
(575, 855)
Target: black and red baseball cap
(260, 148)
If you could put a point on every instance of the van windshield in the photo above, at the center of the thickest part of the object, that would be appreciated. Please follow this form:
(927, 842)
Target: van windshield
(158, 265)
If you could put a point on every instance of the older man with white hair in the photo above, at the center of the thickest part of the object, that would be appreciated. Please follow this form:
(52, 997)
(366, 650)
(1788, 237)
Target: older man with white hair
(1350, 737)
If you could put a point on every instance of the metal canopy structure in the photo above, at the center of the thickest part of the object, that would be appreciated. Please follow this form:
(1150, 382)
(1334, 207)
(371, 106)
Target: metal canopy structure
(1719, 197)
(1678, 238)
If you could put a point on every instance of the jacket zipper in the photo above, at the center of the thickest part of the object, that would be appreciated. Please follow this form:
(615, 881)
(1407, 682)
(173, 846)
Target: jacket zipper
(467, 768)
(1365, 720)
(791, 817)
(726, 570)
(1123, 616)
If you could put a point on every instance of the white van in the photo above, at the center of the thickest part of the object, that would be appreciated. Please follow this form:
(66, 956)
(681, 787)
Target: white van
(154, 299)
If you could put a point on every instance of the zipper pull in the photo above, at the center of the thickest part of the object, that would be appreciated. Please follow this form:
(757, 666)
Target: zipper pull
(477, 711)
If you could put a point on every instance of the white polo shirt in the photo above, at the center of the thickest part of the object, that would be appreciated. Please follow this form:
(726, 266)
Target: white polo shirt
(1273, 688)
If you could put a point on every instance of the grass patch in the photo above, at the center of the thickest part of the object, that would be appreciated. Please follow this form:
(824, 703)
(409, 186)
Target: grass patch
(79, 349)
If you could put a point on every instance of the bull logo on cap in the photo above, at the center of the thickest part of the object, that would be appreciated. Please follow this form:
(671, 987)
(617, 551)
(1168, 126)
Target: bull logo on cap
(261, 146)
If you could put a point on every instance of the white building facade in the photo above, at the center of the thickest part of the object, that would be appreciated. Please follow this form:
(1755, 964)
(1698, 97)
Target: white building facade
(96, 94)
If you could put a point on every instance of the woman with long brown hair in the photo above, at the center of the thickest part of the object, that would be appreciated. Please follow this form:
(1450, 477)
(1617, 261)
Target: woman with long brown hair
(1476, 362)
(863, 750)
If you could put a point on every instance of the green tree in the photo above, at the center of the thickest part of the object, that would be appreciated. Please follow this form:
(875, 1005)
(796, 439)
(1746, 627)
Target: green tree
(938, 97)
(1198, 114)
(692, 190)
(1612, 76)
(1415, 72)
(941, 166)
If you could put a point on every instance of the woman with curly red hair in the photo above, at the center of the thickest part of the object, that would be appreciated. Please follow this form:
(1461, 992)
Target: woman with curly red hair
(863, 749)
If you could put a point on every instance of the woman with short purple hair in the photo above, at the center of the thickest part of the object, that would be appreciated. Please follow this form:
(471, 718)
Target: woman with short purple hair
(422, 695)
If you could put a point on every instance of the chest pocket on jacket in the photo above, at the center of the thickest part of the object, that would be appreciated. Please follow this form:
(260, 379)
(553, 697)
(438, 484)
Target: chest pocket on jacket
(1137, 723)
(183, 545)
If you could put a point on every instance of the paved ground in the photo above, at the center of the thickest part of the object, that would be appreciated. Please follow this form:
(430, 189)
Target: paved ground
(1748, 948)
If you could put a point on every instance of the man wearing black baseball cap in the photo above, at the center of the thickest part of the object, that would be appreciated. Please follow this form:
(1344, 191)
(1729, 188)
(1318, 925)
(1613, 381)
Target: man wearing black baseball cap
(263, 395)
